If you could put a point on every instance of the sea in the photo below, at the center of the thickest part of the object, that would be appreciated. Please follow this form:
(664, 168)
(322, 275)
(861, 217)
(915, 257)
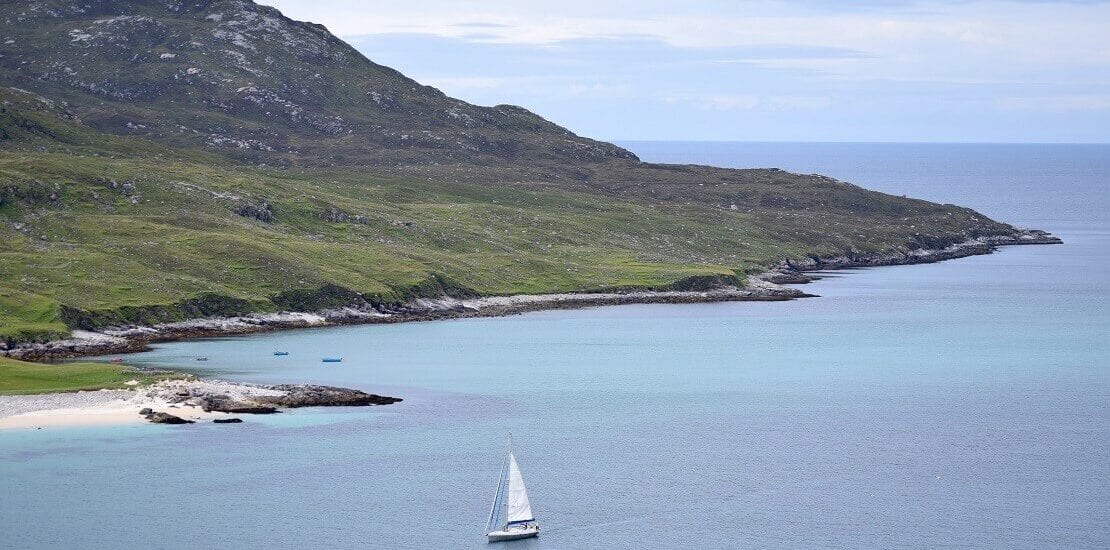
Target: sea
(964, 404)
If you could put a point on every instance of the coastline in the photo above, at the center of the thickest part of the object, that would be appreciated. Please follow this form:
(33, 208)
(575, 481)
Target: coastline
(179, 401)
(194, 400)
(765, 286)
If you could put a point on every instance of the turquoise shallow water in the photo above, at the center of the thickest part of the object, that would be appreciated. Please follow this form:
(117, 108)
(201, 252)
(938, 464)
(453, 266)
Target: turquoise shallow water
(962, 404)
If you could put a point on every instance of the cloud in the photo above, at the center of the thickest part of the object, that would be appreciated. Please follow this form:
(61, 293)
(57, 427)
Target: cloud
(481, 25)
(1056, 104)
(870, 69)
(777, 52)
(749, 102)
(729, 102)
(599, 90)
(799, 103)
(478, 37)
(887, 39)
(467, 82)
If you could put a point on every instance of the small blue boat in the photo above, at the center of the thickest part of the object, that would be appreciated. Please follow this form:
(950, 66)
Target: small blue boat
(281, 353)
(332, 360)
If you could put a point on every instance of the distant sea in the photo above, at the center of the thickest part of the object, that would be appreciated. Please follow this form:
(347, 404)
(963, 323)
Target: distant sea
(964, 404)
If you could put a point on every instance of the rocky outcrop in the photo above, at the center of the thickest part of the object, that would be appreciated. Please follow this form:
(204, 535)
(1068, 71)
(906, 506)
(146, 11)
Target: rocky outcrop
(325, 297)
(243, 80)
(166, 418)
(183, 400)
(209, 304)
(225, 397)
(909, 256)
(323, 396)
(787, 276)
(335, 215)
(703, 283)
(793, 271)
(261, 211)
(222, 403)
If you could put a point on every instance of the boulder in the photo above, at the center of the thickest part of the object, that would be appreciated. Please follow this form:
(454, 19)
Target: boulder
(166, 418)
(261, 211)
(218, 404)
(227, 420)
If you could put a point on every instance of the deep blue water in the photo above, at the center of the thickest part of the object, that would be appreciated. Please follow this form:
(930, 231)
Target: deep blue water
(961, 404)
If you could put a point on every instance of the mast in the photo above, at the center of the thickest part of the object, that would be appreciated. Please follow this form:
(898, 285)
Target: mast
(497, 496)
(508, 460)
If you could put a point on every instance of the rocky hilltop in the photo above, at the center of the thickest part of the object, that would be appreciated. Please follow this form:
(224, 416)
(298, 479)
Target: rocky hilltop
(243, 79)
(167, 161)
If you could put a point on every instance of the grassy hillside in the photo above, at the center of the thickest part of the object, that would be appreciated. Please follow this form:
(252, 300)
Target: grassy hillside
(98, 223)
(20, 377)
(169, 160)
(239, 78)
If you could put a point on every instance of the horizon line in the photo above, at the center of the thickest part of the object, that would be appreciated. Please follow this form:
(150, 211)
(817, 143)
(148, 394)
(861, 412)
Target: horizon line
(855, 142)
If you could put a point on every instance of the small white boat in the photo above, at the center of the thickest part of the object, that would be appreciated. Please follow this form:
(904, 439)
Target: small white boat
(510, 517)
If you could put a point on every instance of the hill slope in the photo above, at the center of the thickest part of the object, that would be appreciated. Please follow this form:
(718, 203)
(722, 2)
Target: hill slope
(132, 185)
(238, 77)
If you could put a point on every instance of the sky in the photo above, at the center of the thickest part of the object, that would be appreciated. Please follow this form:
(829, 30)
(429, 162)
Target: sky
(807, 70)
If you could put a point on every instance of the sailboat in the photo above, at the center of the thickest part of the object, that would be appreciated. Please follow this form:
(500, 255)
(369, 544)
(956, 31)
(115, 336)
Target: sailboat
(510, 517)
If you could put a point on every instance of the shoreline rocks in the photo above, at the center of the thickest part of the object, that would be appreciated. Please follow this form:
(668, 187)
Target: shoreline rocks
(234, 407)
(308, 395)
(216, 396)
(765, 286)
(174, 401)
(166, 418)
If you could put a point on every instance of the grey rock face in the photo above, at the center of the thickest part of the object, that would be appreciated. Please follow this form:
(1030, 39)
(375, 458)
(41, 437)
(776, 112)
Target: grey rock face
(227, 405)
(262, 211)
(307, 395)
(166, 418)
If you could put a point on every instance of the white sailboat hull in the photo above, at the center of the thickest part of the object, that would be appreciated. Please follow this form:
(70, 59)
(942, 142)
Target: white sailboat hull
(513, 533)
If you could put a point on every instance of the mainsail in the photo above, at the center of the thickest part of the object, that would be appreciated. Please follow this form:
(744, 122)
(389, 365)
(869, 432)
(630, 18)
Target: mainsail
(517, 507)
(510, 503)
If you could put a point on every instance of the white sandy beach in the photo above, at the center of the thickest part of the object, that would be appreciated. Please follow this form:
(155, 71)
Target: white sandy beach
(113, 407)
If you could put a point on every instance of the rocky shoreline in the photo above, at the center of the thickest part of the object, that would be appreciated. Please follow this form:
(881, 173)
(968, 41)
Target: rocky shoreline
(765, 286)
(214, 396)
(181, 401)
(129, 339)
(794, 272)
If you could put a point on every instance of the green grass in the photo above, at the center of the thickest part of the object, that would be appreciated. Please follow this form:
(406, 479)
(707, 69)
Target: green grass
(116, 224)
(20, 377)
(26, 316)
